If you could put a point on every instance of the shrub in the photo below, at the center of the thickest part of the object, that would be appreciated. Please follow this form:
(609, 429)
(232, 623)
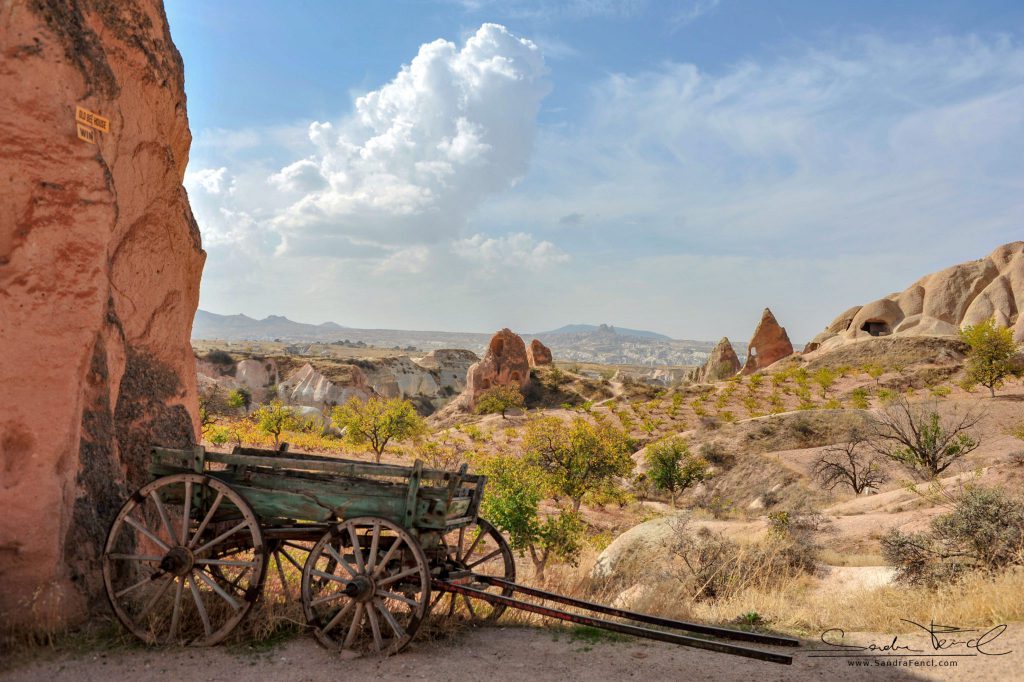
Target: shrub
(984, 532)
(581, 457)
(921, 439)
(710, 566)
(860, 398)
(499, 400)
(716, 454)
(376, 422)
(990, 359)
(673, 469)
(219, 357)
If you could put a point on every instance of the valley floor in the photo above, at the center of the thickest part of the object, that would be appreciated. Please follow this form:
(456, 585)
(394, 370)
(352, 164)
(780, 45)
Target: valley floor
(504, 653)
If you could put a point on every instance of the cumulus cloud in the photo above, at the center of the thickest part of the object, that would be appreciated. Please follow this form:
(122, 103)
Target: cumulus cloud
(416, 156)
(209, 180)
(517, 250)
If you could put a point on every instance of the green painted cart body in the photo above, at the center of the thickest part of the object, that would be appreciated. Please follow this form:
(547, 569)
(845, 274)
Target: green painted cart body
(285, 489)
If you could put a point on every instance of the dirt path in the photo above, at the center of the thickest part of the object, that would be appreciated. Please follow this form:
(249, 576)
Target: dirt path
(492, 654)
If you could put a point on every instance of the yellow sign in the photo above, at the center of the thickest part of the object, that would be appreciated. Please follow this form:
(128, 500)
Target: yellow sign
(87, 134)
(84, 116)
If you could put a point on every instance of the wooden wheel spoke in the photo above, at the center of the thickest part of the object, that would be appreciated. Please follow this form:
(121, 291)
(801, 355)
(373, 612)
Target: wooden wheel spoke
(186, 512)
(398, 597)
(133, 557)
(200, 607)
(212, 584)
(331, 597)
(469, 605)
(330, 576)
(223, 536)
(155, 598)
(462, 540)
(147, 532)
(486, 558)
(134, 586)
(288, 556)
(469, 552)
(280, 574)
(390, 618)
(357, 551)
(341, 562)
(374, 544)
(353, 629)
(378, 641)
(398, 576)
(387, 557)
(206, 519)
(179, 589)
(164, 519)
(225, 562)
(339, 615)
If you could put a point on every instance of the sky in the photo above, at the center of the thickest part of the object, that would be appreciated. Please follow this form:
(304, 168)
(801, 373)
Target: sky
(672, 166)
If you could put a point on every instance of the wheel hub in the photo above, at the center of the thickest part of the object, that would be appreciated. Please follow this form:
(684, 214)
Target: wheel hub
(360, 588)
(178, 561)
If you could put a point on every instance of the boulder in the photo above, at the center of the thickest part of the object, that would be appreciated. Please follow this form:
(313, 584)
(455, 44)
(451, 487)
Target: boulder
(100, 261)
(721, 364)
(307, 386)
(645, 544)
(768, 345)
(940, 304)
(504, 364)
(538, 354)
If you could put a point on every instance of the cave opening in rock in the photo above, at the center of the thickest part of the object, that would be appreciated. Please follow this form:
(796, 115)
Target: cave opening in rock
(876, 328)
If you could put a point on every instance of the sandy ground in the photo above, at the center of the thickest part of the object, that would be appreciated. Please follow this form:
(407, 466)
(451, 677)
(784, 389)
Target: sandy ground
(511, 653)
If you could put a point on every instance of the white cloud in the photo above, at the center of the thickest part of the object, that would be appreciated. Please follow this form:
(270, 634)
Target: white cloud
(409, 261)
(416, 156)
(691, 12)
(209, 180)
(518, 250)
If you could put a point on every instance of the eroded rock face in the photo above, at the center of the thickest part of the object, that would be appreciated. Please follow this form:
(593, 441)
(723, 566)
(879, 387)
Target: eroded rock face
(769, 344)
(504, 364)
(310, 388)
(721, 364)
(100, 260)
(942, 303)
(537, 354)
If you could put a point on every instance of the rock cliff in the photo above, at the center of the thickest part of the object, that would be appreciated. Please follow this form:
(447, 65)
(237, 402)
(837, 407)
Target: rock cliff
(769, 344)
(721, 364)
(941, 303)
(100, 260)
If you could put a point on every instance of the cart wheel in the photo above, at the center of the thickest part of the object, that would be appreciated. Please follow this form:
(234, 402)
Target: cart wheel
(184, 561)
(284, 564)
(480, 548)
(366, 586)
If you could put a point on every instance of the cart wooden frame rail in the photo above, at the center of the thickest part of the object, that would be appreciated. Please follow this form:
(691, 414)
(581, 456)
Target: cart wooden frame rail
(374, 548)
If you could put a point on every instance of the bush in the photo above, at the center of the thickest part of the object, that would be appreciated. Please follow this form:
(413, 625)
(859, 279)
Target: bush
(716, 454)
(710, 566)
(984, 532)
(219, 357)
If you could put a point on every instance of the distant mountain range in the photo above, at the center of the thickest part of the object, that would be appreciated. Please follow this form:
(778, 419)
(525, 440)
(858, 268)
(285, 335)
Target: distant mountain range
(602, 343)
(604, 329)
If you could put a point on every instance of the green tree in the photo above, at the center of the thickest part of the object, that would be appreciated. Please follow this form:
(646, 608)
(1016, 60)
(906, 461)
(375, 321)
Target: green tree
(499, 399)
(515, 488)
(991, 356)
(376, 422)
(240, 398)
(921, 439)
(825, 378)
(671, 467)
(275, 418)
(581, 457)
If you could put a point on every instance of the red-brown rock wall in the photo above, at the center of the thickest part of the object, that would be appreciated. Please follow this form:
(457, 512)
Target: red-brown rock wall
(100, 261)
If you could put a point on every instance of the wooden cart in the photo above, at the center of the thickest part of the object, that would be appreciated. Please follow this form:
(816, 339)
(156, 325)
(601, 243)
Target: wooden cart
(379, 547)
